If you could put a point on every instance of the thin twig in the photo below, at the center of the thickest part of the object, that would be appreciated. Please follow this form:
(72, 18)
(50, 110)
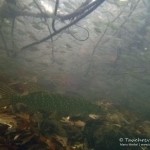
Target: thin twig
(100, 40)
(129, 15)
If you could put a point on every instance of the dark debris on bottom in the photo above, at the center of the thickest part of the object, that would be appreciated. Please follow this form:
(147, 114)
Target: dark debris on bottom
(23, 130)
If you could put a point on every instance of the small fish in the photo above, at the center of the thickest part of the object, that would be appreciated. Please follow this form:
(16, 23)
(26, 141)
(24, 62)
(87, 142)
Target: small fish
(33, 49)
(32, 36)
(21, 21)
(21, 32)
(36, 26)
(68, 46)
(97, 30)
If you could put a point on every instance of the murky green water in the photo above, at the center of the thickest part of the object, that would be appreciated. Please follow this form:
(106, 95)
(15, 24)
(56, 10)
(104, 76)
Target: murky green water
(83, 62)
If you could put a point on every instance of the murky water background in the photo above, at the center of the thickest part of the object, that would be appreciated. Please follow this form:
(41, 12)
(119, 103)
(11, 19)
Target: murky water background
(111, 67)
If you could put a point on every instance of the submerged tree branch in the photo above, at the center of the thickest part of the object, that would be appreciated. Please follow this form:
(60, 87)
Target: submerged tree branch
(11, 11)
(74, 21)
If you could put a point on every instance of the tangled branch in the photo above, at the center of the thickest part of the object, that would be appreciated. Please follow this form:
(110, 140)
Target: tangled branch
(11, 11)
(75, 17)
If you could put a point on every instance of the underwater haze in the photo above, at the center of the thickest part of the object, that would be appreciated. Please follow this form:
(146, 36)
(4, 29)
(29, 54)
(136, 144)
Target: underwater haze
(79, 57)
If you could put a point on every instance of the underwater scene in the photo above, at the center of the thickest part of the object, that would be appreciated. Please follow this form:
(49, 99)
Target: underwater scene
(74, 74)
